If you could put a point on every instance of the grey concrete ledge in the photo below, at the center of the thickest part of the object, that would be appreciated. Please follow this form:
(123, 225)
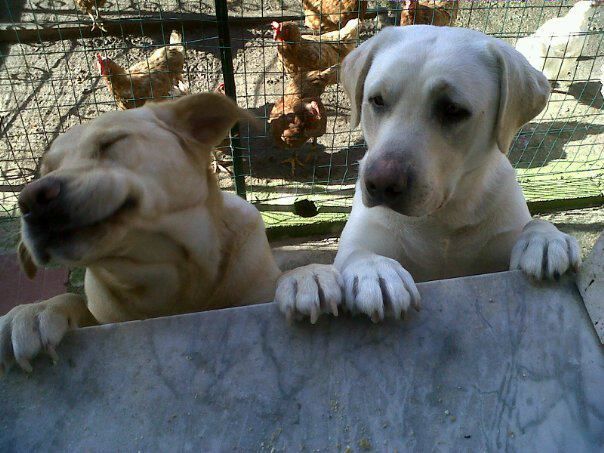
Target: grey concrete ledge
(491, 363)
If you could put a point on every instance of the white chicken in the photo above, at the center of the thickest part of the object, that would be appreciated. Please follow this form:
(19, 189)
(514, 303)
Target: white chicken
(556, 45)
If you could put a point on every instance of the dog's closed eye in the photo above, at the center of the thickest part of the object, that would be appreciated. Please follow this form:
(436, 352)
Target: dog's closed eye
(449, 112)
(108, 142)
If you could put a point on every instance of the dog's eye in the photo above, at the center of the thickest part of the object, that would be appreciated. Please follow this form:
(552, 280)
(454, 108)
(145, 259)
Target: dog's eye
(376, 101)
(106, 144)
(449, 112)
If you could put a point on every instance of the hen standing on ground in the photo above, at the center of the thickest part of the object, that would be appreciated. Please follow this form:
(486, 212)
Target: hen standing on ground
(429, 12)
(327, 15)
(310, 53)
(151, 79)
(300, 115)
(87, 6)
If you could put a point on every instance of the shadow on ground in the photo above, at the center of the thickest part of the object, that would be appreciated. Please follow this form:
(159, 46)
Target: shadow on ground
(264, 157)
(541, 142)
(588, 93)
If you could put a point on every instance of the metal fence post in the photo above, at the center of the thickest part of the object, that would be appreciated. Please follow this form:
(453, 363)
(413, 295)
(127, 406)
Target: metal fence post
(226, 59)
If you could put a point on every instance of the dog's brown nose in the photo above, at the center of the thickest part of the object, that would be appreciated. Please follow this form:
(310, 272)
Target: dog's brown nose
(386, 180)
(39, 196)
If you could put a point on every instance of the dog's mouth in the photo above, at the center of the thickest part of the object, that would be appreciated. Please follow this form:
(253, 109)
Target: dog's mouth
(128, 204)
(404, 207)
(61, 233)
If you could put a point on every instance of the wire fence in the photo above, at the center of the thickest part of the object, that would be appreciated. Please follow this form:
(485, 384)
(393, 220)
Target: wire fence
(50, 80)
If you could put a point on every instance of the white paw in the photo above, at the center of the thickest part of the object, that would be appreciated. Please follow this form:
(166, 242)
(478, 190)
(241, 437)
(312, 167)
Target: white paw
(546, 254)
(379, 287)
(309, 291)
(27, 330)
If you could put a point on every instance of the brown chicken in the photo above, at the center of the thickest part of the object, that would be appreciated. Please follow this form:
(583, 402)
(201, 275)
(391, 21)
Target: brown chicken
(299, 115)
(294, 123)
(310, 53)
(154, 78)
(87, 6)
(327, 15)
(429, 12)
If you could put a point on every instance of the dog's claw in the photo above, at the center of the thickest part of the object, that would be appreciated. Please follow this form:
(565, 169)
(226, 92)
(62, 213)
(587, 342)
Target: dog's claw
(50, 350)
(25, 365)
(314, 315)
(545, 253)
(379, 287)
(309, 291)
(334, 308)
(375, 317)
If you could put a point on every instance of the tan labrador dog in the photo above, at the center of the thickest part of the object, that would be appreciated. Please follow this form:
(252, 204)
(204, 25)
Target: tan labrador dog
(436, 195)
(130, 196)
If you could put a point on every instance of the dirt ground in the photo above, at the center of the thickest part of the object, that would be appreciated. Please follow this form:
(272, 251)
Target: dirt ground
(46, 87)
(585, 224)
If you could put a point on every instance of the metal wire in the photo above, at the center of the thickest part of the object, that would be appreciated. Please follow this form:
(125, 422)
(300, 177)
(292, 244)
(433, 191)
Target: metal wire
(49, 81)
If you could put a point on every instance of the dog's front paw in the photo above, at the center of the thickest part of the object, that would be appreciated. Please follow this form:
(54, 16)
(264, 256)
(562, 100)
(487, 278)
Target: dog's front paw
(27, 330)
(379, 286)
(544, 252)
(309, 291)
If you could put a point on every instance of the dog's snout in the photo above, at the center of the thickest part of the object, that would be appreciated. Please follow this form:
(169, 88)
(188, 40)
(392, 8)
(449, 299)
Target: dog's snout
(379, 188)
(40, 196)
(387, 180)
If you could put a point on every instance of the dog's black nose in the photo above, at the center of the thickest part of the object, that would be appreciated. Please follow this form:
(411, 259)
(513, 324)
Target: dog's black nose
(386, 181)
(38, 198)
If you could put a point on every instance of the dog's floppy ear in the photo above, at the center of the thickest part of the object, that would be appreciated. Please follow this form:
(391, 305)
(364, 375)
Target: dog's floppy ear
(355, 68)
(206, 117)
(26, 261)
(523, 93)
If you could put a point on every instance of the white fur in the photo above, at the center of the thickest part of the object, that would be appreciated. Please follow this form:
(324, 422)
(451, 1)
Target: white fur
(471, 210)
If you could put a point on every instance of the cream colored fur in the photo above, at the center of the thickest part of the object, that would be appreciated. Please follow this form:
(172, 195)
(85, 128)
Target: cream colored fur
(178, 245)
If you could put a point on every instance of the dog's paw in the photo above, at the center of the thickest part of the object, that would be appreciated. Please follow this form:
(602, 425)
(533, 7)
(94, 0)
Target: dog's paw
(309, 291)
(379, 287)
(27, 330)
(545, 253)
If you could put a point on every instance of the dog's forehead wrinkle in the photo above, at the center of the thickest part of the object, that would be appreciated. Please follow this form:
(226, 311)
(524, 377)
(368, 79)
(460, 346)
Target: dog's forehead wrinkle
(395, 73)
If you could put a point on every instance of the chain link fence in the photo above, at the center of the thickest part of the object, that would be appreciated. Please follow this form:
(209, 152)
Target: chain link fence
(50, 81)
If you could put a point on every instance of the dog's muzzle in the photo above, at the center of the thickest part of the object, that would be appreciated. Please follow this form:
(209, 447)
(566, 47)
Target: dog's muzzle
(42, 203)
(51, 217)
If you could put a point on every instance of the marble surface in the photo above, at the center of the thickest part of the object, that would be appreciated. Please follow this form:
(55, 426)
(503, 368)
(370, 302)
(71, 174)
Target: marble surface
(590, 282)
(491, 363)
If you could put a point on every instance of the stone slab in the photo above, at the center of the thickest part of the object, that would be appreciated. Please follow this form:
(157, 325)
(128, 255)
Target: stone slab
(491, 363)
(590, 282)
(16, 288)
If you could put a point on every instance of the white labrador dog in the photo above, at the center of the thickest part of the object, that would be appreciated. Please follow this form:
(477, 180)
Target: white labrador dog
(131, 197)
(436, 195)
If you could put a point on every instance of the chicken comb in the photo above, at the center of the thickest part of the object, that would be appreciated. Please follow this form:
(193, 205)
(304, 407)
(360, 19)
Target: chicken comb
(101, 62)
(314, 109)
(276, 26)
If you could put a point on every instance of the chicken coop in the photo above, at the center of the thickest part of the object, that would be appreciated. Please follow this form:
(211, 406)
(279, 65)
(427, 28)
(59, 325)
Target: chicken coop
(54, 56)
